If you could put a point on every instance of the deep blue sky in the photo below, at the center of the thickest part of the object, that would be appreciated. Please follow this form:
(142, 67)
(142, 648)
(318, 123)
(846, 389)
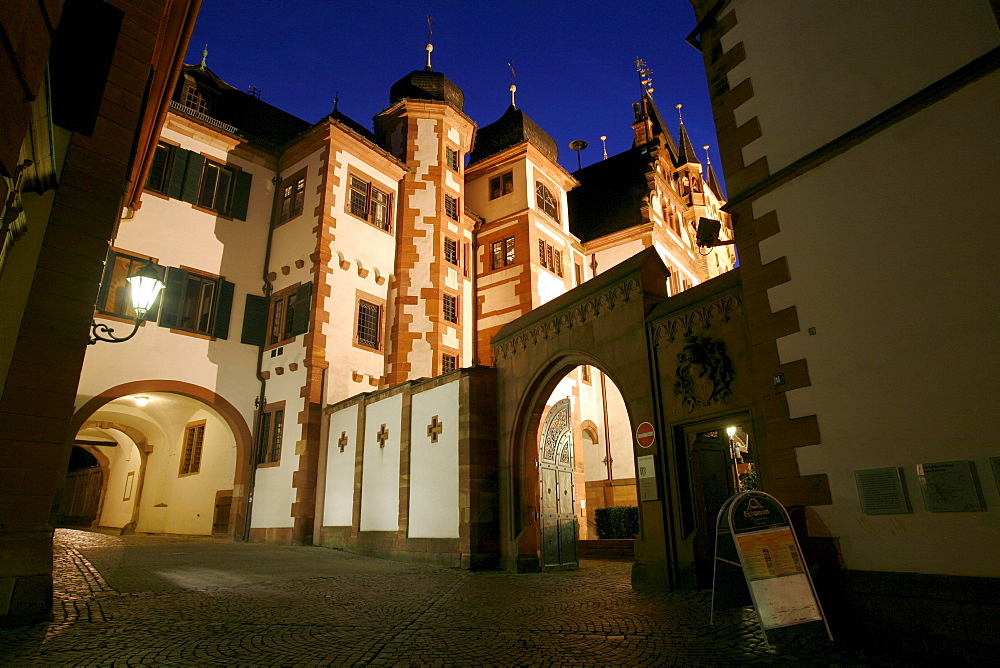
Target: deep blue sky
(574, 61)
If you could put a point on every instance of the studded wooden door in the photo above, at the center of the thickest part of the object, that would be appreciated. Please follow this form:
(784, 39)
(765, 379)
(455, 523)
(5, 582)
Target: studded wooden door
(558, 513)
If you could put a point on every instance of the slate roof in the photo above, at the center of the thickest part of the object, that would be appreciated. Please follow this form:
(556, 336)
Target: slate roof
(509, 130)
(686, 153)
(253, 117)
(426, 84)
(713, 183)
(610, 194)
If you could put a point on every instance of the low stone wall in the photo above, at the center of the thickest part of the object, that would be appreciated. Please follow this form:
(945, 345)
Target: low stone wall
(614, 548)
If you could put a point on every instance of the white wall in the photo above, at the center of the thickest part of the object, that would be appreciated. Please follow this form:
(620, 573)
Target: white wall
(177, 504)
(380, 476)
(839, 64)
(887, 249)
(338, 504)
(123, 459)
(434, 499)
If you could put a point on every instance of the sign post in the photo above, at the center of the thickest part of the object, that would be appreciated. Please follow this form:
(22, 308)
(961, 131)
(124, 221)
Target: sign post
(771, 560)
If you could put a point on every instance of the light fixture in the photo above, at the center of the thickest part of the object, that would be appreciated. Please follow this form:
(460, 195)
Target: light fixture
(144, 287)
(140, 399)
(731, 431)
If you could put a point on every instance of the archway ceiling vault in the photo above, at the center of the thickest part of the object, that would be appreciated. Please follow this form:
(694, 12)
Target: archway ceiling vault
(164, 413)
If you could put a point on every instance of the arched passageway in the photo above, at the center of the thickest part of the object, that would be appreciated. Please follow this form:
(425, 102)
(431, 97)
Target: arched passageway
(681, 367)
(177, 458)
(600, 325)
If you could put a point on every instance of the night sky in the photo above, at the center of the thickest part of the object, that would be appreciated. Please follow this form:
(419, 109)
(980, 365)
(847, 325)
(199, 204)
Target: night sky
(574, 61)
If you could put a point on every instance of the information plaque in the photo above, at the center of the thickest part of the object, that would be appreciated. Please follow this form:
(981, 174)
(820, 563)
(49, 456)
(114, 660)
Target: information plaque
(647, 478)
(882, 491)
(950, 487)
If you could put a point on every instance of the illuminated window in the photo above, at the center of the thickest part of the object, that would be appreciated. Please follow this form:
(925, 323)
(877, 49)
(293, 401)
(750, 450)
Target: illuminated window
(194, 441)
(293, 192)
(369, 325)
(451, 251)
(501, 185)
(450, 306)
(370, 204)
(451, 207)
(502, 253)
(545, 201)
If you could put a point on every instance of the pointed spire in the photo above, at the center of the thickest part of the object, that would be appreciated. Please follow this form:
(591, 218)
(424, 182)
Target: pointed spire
(204, 57)
(430, 46)
(336, 101)
(710, 178)
(685, 153)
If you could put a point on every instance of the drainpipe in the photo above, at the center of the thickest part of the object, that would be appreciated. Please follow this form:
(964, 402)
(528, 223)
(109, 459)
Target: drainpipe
(474, 272)
(261, 399)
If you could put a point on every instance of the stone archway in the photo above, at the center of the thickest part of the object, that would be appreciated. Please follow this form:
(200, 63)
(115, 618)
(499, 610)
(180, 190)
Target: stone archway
(602, 324)
(226, 411)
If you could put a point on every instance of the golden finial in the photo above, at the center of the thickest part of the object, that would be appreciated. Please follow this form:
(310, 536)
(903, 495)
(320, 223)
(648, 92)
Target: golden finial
(645, 75)
(604, 142)
(679, 113)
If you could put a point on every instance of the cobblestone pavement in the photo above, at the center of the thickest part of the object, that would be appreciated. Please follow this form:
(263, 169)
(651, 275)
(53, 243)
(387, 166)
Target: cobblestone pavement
(168, 600)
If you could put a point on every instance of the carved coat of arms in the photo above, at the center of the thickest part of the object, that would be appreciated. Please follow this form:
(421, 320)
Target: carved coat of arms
(704, 372)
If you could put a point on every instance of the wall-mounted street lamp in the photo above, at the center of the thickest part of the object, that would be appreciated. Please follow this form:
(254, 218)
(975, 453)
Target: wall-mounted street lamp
(144, 288)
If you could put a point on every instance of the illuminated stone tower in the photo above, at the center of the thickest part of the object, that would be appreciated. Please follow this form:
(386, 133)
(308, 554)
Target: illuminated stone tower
(430, 311)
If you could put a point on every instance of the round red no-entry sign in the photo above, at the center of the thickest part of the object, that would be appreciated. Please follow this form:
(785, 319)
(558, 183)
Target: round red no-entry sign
(645, 435)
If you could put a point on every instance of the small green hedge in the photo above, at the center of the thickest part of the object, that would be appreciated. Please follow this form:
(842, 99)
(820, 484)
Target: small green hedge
(617, 522)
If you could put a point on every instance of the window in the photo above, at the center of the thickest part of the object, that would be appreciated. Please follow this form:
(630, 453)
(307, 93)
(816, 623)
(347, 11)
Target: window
(451, 207)
(585, 373)
(216, 187)
(196, 100)
(550, 258)
(501, 185)
(502, 253)
(196, 303)
(370, 204)
(451, 157)
(545, 201)
(189, 177)
(450, 305)
(272, 427)
(194, 441)
(369, 321)
(288, 315)
(448, 362)
(114, 297)
(293, 192)
(451, 251)
(578, 270)
(159, 171)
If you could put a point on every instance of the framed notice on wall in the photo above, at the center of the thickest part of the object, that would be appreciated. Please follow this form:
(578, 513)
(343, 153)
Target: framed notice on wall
(950, 487)
(647, 477)
(882, 491)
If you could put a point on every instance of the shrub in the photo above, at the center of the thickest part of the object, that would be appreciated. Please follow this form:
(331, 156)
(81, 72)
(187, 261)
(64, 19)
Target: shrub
(617, 522)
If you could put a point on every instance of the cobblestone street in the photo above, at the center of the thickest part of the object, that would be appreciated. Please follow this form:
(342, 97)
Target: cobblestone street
(166, 600)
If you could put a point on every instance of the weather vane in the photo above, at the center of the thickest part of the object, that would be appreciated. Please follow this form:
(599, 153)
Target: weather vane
(430, 39)
(645, 75)
(679, 113)
(513, 88)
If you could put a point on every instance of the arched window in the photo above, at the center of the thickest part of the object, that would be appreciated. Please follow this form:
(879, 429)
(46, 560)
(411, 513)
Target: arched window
(545, 201)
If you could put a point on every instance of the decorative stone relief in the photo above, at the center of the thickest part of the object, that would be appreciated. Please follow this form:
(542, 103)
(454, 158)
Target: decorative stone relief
(685, 324)
(705, 373)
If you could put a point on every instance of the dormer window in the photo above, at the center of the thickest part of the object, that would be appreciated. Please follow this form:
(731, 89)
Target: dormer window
(194, 99)
(545, 201)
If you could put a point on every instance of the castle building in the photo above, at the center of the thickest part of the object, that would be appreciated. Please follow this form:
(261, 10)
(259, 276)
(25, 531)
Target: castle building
(322, 265)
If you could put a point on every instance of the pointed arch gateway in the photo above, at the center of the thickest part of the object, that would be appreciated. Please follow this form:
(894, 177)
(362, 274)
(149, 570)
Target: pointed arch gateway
(601, 324)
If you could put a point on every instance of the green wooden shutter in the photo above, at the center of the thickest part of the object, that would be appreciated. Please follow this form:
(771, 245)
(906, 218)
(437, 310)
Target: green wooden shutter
(300, 320)
(172, 297)
(154, 310)
(255, 320)
(223, 309)
(175, 179)
(192, 177)
(109, 269)
(241, 195)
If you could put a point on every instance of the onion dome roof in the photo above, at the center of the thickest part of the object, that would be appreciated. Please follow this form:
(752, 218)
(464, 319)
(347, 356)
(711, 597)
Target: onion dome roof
(426, 84)
(509, 130)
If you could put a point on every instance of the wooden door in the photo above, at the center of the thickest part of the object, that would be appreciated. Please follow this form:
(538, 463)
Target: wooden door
(558, 510)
